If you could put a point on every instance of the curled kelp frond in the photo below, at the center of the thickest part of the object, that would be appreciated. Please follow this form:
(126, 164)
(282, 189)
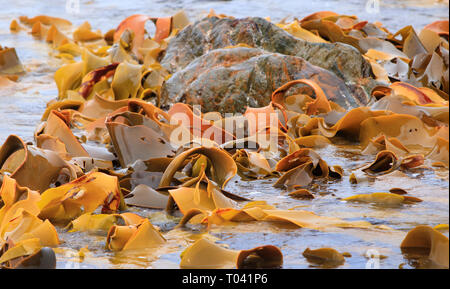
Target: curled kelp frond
(304, 103)
(252, 165)
(425, 237)
(20, 161)
(224, 167)
(349, 125)
(204, 196)
(300, 168)
(95, 78)
(382, 143)
(198, 125)
(133, 237)
(204, 254)
(57, 126)
(385, 162)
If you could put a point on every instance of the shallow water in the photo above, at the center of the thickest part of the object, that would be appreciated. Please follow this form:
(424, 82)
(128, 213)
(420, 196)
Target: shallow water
(22, 105)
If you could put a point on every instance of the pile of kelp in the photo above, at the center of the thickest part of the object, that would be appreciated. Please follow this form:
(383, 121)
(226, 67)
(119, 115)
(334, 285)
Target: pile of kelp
(125, 129)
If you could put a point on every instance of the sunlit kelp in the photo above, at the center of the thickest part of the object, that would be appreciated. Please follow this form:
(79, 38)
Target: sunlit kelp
(82, 195)
(428, 238)
(21, 161)
(109, 85)
(204, 254)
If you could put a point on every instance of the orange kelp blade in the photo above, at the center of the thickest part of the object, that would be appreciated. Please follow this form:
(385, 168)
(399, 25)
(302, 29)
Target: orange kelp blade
(425, 237)
(22, 161)
(415, 94)
(306, 219)
(350, 124)
(408, 129)
(102, 222)
(378, 198)
(204, 254)
(26, 254)
(27, 226)
(327, 257)
(319, 105)
(88, 192)
(440, 27)
(99, 106)
(261, 117)
(57, 126)
(198, 126)
(133, 237)
(382, 143)
(318, 15)
(135, 23)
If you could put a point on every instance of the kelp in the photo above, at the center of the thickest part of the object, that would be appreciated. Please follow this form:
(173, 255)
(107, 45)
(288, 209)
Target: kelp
(136, 137)
(350, 125)
(252, 165)
(83, 195)
(84, 33)
(382, 143)
(102, 222)
(311, 107)
(21, 162)
(136, 23)
(307, 219)
(425, 237)
(302, 194)
(223, 165)
(57, 126)
(23, 256)
(327, 257)
(146, 197)
(133, 237)
(204, 254)
(22, 233)
(382, 199)
(198, 126)
(9, 61)
(262, 212)
(439, 153)
(408, 129)
(300, 168)
(108, 141)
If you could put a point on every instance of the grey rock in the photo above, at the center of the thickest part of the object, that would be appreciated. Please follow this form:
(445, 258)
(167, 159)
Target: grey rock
(228, 80)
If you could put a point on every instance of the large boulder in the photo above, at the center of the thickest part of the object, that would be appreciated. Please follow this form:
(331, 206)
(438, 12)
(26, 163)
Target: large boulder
(212, 33)
(229, 79)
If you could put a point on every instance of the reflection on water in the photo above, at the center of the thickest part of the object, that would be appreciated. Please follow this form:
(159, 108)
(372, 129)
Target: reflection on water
(21, 108)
